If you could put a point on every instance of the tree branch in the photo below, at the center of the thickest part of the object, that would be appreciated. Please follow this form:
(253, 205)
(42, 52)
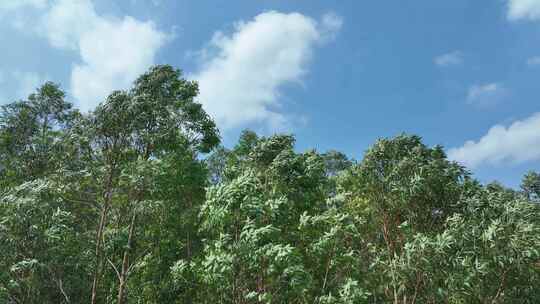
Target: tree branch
(114, 267)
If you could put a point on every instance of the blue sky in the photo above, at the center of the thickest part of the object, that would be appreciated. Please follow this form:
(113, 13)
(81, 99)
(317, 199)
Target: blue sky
(339, 75)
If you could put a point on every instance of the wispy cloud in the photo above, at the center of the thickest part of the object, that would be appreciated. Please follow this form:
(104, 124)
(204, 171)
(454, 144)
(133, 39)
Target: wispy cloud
(449, 59)
(523, 10)
(486, 94)
(533, 61)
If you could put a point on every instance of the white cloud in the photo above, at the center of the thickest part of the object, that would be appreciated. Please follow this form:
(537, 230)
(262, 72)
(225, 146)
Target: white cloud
(533, 61)
(113, 51)
(17, 84)
(66, 21)
(518, 143)
(449, 59)
(486, 94)
(27, 83)
(242, 73)
(523, 10)
(9, 5)
(114, 54)
(331, 25)
(154, 2)
(19, 13)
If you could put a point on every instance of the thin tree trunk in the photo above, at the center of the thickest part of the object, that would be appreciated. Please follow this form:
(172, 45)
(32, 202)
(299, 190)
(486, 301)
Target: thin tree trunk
(125, 262)
(61, 287)
(99, 236)
(500, 290)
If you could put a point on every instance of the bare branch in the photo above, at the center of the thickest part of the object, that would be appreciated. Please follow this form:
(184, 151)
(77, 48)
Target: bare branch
(114, 267)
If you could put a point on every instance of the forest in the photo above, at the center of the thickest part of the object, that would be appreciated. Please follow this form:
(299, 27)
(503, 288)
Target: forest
(137, 201)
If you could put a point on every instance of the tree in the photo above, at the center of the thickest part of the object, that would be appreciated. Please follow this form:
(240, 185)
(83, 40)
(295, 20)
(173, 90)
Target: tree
(488, 253)
(35, 223)
(225, 165)
(336, 162)
(253, 253)
(399, 189)
(128, 163)
(29, 135)
(132, 134)
(121, 205)
(531, 185)
(217, 163)
(42, 246)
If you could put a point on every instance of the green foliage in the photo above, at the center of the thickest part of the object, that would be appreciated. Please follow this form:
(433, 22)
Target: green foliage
(42, 245)
(30, 133)
(252, 224)
(336, 162)
(120, 205)
(531, 185)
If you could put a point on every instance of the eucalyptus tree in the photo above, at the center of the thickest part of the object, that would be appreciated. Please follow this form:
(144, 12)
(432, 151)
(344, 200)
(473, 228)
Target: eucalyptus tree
(531, 185)
(216, 164)
(333, 254)
(35, 223)
(132, 164)
(489, 252)
(136, 138)
(29, 134)
(400, 188)
(112, 206)
(253, 249)
(43, 257)
(496, 251)
(224, 164)
(336, 162)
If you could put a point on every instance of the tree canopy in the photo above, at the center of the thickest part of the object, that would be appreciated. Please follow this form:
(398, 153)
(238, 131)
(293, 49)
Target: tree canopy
(137, 202)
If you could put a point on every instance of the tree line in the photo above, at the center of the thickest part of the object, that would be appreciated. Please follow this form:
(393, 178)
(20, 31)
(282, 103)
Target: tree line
(137, 202)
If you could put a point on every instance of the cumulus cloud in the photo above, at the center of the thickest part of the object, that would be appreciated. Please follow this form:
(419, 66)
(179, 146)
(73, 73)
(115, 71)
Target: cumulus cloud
(242, 73)
(486, 94)
(19, 13)
(66, 21)
(523, 10)
(113, 55)
(113, 51)
(533, 61)
(517, 143)
(449, 59)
